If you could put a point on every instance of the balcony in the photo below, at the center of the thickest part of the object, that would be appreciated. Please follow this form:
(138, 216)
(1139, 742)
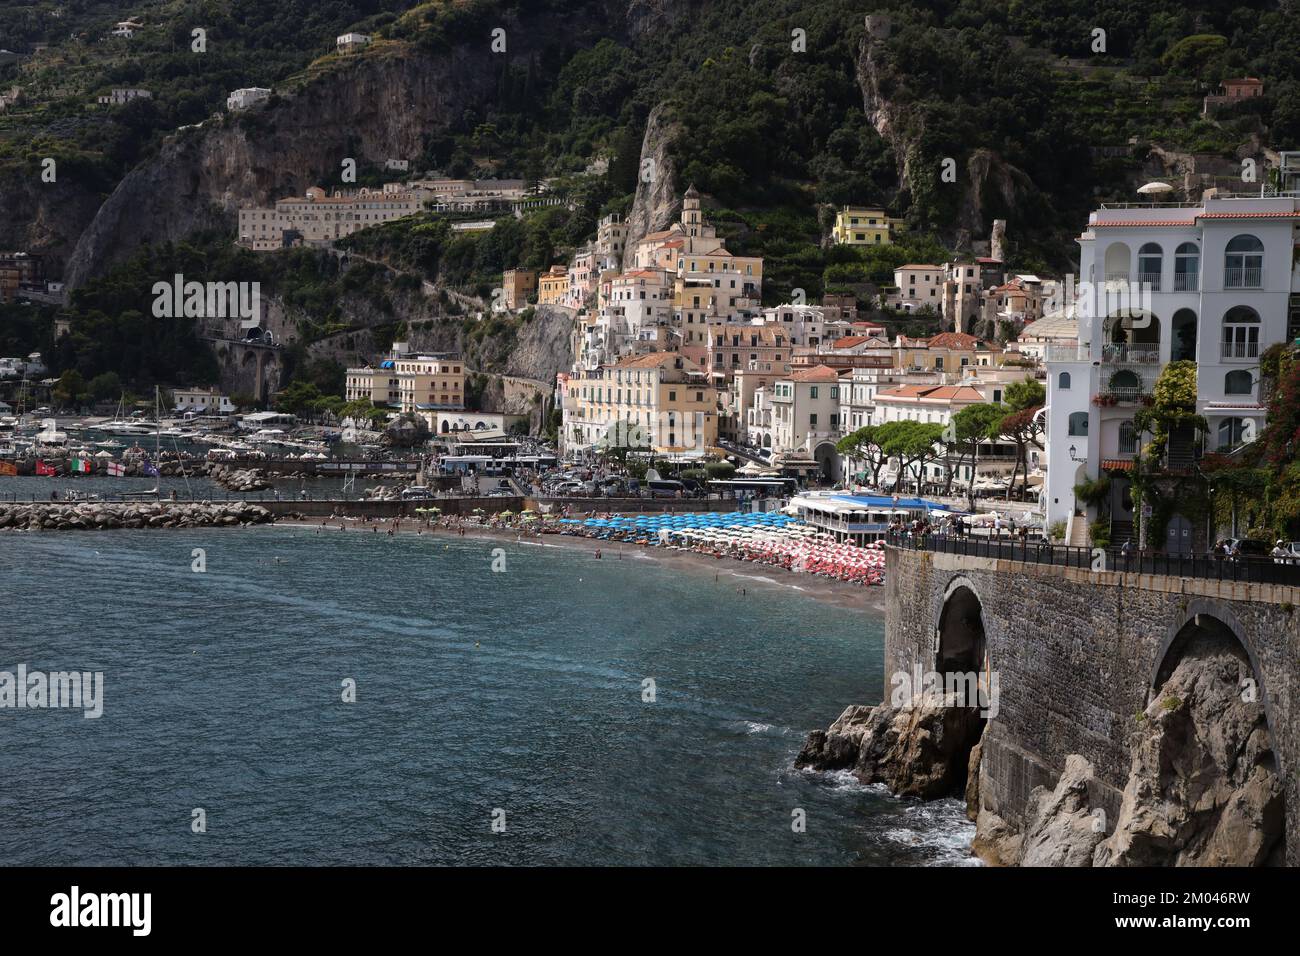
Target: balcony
(1186, 282)
(1249, 278)
(1149, 279)
(1069, 353)
(1117, 277)
(1240, 350)
(1123, 353)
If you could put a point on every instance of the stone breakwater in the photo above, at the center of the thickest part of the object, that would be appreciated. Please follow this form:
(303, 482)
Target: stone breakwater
(89, 516)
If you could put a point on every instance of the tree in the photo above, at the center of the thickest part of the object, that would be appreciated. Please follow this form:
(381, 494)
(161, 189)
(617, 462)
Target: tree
(298, 398)
(1023, 428)
(1027, 393)
(70, 392)
(913, 444)
(1022, 424)
(970, 426)
(105, 386)
(863, 445)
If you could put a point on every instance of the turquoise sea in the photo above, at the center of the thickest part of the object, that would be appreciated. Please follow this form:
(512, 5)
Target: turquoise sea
(480, 696)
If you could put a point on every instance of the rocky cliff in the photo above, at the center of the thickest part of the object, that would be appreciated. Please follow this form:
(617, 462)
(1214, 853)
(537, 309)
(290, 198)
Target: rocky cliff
(655, 204)
(368, 109)
(46, 218)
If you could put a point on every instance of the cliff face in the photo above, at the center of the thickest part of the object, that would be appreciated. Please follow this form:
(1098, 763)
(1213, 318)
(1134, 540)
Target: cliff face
(370, 109)
(655, 203)
(45, 218)
(989, 186)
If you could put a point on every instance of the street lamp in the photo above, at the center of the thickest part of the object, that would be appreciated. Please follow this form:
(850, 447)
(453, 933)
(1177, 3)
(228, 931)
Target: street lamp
(1074, 457)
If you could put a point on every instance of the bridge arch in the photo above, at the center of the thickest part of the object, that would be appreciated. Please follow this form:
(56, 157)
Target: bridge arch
(961, 640)
(1206, 617)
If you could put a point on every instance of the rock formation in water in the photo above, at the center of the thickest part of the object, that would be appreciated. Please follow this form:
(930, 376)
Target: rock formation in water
(91, 516)
(1203, 788)
(921, 749)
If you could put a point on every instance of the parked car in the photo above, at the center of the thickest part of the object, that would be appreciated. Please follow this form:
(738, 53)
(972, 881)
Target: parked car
(417, 491)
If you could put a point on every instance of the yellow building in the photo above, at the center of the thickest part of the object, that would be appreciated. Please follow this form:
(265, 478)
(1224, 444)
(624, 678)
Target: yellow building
(518, 284)
(553, 286)
(412, 383)
(661, 400)
(864, 226)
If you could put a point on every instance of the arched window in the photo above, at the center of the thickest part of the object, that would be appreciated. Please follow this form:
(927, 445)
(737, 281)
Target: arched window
(1187, 267)
(1241, 333)
(1117, 262)
(1063, 380)
(1238, 382)
(1079, 424)
(1128, 443)
(1150, 262)
(1243, 263)
(1183, 339)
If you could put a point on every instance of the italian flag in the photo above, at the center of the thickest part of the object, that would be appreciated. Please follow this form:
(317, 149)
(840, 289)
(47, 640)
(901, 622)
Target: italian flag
(81, 464)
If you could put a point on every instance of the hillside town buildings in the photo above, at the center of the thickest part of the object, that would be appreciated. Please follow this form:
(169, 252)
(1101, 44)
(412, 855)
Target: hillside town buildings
(318, 218)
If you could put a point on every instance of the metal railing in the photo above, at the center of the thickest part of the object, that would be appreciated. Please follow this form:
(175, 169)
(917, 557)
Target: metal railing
(1150, 279)
(1247, 278)
(1123, 353)
(1240, 350)
(1250, 570)
(1186, 282)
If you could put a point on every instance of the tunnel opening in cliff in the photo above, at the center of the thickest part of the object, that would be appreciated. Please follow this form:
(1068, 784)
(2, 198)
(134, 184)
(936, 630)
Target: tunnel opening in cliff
(1205, 784)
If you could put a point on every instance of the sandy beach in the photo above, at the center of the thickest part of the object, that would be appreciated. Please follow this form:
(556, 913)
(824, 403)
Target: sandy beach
(740, 575)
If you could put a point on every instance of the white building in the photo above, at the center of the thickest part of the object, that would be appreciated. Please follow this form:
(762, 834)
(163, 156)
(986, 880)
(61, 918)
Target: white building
(1223, 284)
(351, 42)
(202, 401)
(246, 97)
(918, 285)
(805, 408)
(119, 97)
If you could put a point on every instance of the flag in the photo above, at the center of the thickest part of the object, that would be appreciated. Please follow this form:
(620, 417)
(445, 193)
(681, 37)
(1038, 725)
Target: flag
(8, 468)
(82, 465)
(116, 469)
(44, 468)
(150, 469)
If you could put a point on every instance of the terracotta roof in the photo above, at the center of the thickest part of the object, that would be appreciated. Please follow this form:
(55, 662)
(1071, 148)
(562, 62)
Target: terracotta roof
(954, 340)
(1249, 215)
(1117, 464)
(818, 373)
(848, 341)
(932, 393)
(1144, 223)
(651, 360)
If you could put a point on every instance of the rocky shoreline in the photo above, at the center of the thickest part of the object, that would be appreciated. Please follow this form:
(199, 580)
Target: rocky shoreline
(94, 515)
(1203, 788)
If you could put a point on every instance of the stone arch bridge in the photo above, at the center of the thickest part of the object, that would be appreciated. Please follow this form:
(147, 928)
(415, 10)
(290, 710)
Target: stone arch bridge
(1078, 654)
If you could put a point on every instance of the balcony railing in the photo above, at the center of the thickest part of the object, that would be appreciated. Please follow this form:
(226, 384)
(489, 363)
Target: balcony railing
(1186, 281)
(1117, 277)
(1123, 353)
(1249, 278)
(1240, 350)
(1150, 279)
(1069, 353)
